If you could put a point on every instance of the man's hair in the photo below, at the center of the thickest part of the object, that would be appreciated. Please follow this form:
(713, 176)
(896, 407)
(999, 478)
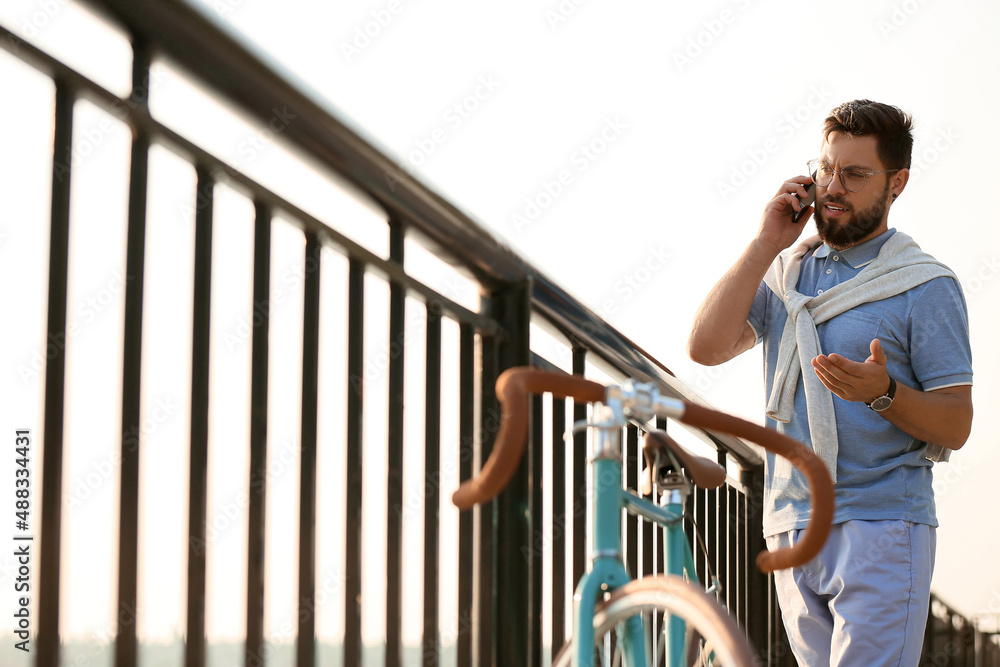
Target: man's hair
(891, 127)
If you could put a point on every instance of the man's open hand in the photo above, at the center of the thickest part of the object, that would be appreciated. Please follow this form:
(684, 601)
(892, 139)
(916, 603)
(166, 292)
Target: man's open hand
(853, 380)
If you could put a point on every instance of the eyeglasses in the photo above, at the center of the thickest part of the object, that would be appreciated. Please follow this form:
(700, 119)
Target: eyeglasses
(852, 178)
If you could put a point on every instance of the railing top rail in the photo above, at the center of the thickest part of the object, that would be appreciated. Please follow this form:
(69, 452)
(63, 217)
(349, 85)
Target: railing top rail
(228, 64)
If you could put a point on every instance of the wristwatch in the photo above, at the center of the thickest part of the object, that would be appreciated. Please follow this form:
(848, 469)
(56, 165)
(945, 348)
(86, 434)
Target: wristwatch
(883, 402)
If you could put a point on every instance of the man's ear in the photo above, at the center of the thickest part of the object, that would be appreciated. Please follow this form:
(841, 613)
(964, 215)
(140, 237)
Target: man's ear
(899, 180)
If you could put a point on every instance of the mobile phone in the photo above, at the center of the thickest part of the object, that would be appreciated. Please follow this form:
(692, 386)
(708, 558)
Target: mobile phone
(805, 202)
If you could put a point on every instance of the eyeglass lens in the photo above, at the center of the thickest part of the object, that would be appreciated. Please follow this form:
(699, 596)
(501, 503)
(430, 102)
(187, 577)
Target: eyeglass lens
(852, 179)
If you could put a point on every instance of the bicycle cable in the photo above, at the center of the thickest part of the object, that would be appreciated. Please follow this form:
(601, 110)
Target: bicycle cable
(708, 565)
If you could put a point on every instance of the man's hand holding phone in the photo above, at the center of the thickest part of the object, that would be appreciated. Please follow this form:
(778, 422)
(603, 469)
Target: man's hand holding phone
(786, 213)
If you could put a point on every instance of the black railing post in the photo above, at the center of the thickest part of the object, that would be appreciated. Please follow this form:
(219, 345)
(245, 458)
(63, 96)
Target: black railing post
(257, 488)
(429, 646)
(131, 444)
(55, 375)
(353, 559)
(560, 518)
(195, 645)
(630, 472)
(486, 562)
(394, 476)
(759, 599)
(533, 549)
(579, 477)
(517, 518)
(467, 610)
(306, 637)
(721, 513)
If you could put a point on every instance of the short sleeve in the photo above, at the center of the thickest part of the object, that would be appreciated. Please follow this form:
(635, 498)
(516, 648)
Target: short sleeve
(940, 351)
(758, 310)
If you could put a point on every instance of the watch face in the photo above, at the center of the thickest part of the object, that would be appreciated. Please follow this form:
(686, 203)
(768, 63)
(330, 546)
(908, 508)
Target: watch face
(881, 403)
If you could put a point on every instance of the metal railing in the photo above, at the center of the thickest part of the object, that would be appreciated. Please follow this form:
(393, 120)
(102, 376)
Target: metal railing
(952, 639)
(505, 617)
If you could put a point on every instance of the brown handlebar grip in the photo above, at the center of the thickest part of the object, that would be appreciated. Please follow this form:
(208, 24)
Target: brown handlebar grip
(513, 388)
(803, 458)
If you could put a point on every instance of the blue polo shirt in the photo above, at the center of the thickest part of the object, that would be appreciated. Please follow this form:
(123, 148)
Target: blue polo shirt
(881, 471)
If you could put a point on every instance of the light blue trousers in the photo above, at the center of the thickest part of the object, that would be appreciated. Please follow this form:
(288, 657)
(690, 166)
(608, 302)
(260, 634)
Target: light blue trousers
(864, 599)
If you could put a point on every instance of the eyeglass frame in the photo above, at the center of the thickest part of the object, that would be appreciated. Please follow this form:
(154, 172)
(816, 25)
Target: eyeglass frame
(838, 174)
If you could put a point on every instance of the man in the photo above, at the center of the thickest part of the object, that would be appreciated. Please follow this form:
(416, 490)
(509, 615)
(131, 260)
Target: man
(867, 360)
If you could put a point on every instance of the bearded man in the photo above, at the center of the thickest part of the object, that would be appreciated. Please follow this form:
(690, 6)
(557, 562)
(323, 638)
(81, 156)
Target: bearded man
(868, 361)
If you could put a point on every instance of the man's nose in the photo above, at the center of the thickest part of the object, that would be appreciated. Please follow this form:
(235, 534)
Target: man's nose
(836, 186)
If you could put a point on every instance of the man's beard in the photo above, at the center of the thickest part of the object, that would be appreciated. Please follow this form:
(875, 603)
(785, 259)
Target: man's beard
(842, 236)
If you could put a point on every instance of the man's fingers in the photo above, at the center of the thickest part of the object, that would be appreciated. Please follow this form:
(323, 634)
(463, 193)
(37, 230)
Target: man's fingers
(830, 371)
(834, 363)
(878, 354)
(796, 185)
(829, 381)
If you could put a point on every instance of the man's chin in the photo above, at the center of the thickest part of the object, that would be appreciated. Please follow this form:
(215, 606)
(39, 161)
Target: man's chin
(837, 234)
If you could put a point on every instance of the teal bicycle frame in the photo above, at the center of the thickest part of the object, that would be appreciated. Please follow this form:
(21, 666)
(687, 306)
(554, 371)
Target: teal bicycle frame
(608, 571)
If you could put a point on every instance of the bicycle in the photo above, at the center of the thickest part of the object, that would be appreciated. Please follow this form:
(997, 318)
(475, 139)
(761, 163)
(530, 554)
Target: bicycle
(670, 614)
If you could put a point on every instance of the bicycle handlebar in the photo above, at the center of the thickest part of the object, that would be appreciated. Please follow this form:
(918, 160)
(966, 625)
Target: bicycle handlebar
(515, 384)
(513, 387)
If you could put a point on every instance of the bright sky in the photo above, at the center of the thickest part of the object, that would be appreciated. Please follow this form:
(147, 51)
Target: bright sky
(626, 149)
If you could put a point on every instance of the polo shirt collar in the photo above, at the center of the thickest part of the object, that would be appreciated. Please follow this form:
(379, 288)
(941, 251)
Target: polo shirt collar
(859, 255)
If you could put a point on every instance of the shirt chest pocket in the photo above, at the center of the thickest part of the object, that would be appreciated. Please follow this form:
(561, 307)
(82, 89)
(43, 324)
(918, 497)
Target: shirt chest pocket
(849, 334)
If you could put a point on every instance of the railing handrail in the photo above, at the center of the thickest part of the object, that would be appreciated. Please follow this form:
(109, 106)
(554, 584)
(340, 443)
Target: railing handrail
(207, 49)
